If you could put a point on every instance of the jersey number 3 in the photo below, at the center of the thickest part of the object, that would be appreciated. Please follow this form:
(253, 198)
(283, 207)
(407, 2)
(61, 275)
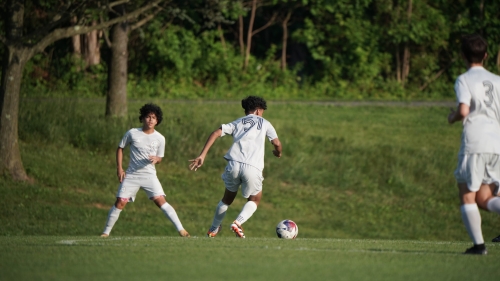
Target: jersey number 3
(489, 93)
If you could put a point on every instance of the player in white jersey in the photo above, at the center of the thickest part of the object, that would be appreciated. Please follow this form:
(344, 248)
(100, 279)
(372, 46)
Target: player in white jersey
(245, 162)
(478, 169)
(147, 148)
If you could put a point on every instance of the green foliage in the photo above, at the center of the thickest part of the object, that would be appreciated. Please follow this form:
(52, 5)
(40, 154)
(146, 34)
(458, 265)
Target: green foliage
(336, 50)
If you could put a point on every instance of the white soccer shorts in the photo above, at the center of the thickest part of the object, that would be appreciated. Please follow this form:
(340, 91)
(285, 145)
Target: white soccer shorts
(130, 186)
(249, 177)
(479, 168)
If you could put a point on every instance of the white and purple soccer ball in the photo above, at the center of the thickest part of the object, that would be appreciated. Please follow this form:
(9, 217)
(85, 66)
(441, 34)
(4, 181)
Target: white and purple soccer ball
(287, 229)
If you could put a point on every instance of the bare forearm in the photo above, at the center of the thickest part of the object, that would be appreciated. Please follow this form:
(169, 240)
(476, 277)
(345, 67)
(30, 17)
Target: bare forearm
(458, 115)
(277, 147)
(210, 141)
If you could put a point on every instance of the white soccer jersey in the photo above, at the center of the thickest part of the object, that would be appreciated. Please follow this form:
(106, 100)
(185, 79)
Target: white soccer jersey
(249, 135)
(480, 90)
(141, 147)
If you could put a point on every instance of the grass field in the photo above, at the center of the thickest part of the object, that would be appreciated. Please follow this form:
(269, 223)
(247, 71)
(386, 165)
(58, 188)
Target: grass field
(169, 258)
(371, 188)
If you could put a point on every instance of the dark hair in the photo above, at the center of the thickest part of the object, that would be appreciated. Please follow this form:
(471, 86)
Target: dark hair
(251, 103)
(151, 108)
(474, 48)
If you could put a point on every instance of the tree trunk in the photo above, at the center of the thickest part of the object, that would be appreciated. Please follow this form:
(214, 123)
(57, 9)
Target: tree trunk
(242, 44)
(405, 71)
(222, 40)
(92, 48)
(481, 17)
(249, 34)
(10, 155)
(76, 42)
(14, 61)
(498, 60)
(116, 100)
(16, 56)
(398, 65)
(285, 39)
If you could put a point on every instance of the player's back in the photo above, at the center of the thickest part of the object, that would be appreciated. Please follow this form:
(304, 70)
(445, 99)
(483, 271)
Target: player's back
(249, 135)
(480, 89)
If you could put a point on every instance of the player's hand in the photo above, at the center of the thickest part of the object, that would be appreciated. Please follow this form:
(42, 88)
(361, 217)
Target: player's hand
(451, 115)
(196, 163)
(154, 159)
(277, 153)
(121, 175)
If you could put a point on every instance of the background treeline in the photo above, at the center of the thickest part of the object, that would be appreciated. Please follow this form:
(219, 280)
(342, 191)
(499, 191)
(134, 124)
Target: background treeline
(312, 49)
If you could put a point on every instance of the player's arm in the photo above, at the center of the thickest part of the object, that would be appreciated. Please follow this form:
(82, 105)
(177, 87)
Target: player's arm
(119, 159)
(198, 162)
(459, 114)
(277, 147)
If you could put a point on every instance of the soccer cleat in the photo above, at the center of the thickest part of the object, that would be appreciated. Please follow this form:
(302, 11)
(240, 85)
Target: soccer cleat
(237, 229)
(104, 235)
(496, 239)
(184, 233)
(476, 250)
(212, 234)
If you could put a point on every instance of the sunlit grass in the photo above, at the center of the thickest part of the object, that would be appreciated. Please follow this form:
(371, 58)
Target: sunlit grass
(175, 258)
(346, 172)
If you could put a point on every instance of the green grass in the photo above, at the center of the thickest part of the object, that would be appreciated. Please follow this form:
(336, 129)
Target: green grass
(153, 258)
(368, 172)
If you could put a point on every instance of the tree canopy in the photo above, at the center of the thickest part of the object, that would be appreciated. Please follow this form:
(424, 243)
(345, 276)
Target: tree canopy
(366, 49)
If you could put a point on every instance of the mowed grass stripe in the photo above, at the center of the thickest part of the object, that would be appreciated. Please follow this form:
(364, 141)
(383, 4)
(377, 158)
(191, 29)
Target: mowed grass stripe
(173, 258)
(349, 245)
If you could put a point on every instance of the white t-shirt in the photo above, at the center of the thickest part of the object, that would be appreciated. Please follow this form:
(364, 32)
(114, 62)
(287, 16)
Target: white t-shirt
(141, 147)
(480, 90)
(249, 135)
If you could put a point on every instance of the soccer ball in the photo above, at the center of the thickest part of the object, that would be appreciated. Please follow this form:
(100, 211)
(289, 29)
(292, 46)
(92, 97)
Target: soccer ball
(287, 229)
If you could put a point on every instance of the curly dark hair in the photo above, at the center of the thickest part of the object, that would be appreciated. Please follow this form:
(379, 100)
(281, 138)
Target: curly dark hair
(251, 103)
(151, 108)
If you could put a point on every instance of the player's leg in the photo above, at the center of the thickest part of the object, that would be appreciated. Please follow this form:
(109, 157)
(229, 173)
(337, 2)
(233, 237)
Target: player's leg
(170, 213)
(487, 196)
(486, 200)
(469, 174)
(471, 218)
(232, 181)
(251, 188)
(220, 212)
(126, 192)
(113, 215)
(249, 208)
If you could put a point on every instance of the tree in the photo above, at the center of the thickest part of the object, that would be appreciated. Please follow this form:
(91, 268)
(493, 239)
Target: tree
(21, 47)
(116, 97)
(251, 32)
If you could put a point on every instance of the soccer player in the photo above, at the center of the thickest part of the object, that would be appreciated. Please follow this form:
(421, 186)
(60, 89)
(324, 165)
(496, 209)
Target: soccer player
(147, 147)
(245, 162)
(478, 169)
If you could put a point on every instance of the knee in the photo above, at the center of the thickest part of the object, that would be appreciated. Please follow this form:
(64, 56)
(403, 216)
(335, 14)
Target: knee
(227, 201)
(482, 203)
(121, 203)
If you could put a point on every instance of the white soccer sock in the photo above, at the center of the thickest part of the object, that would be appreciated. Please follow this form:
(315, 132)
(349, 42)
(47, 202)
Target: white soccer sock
(172, 215)
(472, 222)
(113, 215)
(493, 205)
(220, 213)
(248, 209)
